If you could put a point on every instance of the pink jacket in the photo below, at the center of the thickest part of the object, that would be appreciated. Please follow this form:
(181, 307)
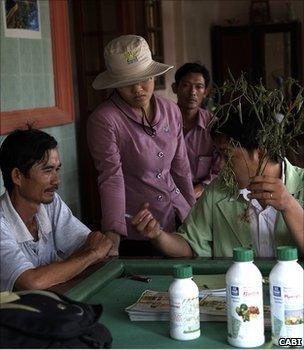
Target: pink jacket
(201, 150)
(135, 168)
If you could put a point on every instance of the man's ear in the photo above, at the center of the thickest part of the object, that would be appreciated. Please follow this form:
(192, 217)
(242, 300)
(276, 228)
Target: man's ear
(207, 91)
(255, 155)
(16, 176)
(174, 88)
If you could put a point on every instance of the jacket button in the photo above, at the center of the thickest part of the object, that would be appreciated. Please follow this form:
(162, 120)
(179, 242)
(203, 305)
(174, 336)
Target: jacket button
(160, 197)
(177, 191)
(160, 154)
(159, 175)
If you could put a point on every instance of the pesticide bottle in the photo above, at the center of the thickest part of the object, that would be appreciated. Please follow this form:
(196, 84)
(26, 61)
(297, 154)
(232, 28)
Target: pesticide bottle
(244, 292)
(184, 305)
(286, 299)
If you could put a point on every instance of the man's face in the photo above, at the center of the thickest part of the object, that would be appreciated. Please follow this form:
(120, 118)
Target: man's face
(42, 180)
(138, 95)
(243, 163)
(190, 91)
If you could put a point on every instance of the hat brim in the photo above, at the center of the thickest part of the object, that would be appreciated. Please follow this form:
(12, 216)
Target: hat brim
(105, 80)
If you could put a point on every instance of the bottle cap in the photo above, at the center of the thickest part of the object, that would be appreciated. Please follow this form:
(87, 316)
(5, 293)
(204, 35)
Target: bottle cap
(287, 253)
(242, 254)
(182, 271)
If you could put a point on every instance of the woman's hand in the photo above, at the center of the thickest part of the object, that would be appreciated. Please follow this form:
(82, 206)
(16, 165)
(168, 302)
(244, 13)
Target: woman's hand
(145, 223)
(270, 191)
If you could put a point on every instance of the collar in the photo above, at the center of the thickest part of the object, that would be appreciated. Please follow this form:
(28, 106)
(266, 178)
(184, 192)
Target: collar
(293, 180)
(19, 229)
(129, 112)
(204, 118)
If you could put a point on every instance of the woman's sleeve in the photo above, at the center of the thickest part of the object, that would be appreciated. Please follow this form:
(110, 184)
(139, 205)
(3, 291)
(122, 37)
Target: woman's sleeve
(180, 167)
(103, 145)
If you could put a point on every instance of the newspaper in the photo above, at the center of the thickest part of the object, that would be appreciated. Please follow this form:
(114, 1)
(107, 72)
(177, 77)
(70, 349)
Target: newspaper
(154, 306)
(210, 285)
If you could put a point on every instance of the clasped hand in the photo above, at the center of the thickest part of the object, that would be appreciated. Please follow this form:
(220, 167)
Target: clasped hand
(98, 243)
(270, 191)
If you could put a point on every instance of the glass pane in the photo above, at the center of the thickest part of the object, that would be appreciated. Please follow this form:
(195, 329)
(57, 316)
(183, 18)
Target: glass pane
(109, 15)
(150, 14)
(108, 37)
(95, 97)
(277, 58)
(92, 57)
(90, 18)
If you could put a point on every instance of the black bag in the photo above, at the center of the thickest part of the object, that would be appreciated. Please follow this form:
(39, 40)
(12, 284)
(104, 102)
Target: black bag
(41, 319)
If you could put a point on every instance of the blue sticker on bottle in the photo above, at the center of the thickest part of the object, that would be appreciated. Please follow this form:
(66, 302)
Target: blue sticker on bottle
(276, 291)
(234, 291)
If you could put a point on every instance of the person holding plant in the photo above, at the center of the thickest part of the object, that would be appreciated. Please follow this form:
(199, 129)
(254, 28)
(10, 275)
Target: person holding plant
(258, 199)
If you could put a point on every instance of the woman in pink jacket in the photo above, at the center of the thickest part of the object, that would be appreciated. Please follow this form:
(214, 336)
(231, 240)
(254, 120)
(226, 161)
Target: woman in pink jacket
(136, 140)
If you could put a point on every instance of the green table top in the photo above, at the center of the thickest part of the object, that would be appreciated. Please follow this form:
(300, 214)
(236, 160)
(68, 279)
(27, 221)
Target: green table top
(110, 286)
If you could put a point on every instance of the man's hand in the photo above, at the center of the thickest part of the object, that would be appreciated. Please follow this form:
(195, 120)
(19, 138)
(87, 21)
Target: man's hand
(145, 223)
(95, 248)
(115, 238)
(198, 190)
(99, 244)
(270, 191)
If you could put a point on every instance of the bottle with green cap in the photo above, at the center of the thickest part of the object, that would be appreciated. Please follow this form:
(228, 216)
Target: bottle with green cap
(244, 293)
(184, 304)
(286, 298)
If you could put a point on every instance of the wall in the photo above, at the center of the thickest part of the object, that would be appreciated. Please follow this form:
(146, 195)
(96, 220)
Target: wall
(26, 67)
(11, 52)
(187, 31)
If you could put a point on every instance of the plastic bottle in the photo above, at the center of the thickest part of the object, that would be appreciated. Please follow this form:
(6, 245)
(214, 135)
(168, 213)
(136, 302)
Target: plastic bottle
(286, 299)
(245, 315)
(184, 305)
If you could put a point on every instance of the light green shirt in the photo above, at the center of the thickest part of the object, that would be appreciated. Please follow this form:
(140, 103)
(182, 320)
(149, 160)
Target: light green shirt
(214, 225)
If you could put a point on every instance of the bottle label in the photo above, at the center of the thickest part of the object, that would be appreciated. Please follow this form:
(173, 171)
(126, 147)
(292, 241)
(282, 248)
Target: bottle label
(184, 314)
(245, 318)
(287, 314)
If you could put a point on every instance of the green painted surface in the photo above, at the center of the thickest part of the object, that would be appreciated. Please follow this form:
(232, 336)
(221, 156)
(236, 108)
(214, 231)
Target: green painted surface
(26, 67)
(111, 287)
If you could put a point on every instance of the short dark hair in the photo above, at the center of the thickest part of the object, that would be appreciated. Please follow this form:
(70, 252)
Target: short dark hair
(192, 67)
(244, 131)
(22, 149)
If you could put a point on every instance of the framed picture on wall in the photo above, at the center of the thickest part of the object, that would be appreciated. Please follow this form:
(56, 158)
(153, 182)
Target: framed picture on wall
(62, 112)
(259, 11)
(21, 19)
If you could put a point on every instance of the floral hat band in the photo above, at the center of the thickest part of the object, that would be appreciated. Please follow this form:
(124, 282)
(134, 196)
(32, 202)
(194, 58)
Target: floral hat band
(128, 60)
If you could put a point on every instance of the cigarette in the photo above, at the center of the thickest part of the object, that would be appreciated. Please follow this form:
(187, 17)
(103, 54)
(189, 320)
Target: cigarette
(128, 216)
(140, 278)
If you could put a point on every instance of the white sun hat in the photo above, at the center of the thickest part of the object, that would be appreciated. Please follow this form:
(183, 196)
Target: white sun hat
(128, 60)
